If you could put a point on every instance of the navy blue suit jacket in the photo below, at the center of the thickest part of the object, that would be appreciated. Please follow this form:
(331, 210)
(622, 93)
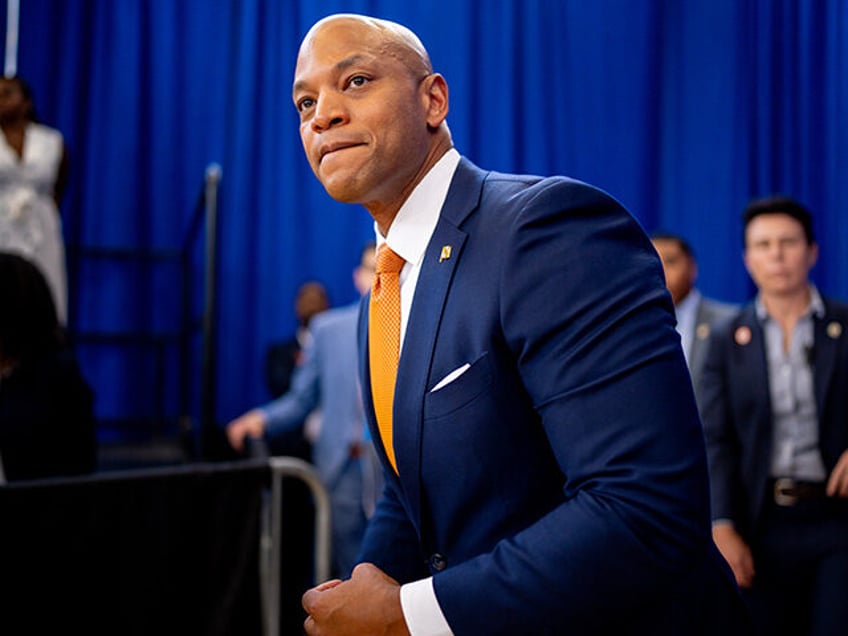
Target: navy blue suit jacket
(559, 485)
(736, 407)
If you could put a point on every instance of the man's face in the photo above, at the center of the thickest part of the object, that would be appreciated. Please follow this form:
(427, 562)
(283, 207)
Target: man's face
(311, 299)
(363, 119)
(777, 254)
(679, 268)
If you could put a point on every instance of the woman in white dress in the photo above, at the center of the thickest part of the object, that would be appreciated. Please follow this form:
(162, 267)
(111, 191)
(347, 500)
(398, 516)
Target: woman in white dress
(33, 170)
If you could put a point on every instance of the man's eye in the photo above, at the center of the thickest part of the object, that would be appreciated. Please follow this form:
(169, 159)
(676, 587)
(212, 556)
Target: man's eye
(357, 80)
(304, 104)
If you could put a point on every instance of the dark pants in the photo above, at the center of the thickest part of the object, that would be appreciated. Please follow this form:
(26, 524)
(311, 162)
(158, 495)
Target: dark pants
(801, 570)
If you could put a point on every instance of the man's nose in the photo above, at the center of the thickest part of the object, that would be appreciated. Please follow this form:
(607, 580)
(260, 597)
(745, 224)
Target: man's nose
(330, 111)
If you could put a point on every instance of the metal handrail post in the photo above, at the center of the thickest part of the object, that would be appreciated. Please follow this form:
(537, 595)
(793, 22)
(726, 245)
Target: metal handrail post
(207, 422)
(282, 467)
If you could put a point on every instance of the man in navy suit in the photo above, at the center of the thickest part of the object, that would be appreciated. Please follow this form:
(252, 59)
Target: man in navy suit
(549, 473)
(775, 410)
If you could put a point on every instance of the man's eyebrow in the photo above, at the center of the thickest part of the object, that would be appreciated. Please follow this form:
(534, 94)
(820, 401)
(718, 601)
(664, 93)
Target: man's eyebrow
(341, 65)
(353, 60)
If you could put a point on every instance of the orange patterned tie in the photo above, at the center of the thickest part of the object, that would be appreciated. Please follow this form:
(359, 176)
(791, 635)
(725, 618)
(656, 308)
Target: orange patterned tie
(384, 341)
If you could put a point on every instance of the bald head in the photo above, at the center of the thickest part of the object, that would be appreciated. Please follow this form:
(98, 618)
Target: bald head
(372, 111)
(390, 38)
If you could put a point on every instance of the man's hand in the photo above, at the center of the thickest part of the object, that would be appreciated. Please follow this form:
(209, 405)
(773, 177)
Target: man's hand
(736, 552)
(367, 603)
(837, 484)
(251, 424)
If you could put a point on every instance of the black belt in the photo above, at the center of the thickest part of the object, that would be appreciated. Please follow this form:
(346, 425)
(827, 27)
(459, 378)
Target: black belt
(788, 491)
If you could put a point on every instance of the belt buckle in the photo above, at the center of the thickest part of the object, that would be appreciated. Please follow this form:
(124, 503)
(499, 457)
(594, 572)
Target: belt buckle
(783, 492)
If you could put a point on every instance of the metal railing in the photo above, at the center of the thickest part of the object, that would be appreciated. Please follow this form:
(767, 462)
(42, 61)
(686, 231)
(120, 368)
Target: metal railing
(101, 490)
(202, 224)
(270, 547)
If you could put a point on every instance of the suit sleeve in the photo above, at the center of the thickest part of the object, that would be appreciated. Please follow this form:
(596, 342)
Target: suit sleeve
(723, 444)
(289, 410)
(589, 323)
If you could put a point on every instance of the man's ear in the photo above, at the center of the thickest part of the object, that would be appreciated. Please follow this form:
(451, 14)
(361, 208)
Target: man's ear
(435, 92)
(814, 255)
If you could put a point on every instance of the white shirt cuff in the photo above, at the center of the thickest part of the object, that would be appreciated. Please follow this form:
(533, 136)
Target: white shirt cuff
(421, 609)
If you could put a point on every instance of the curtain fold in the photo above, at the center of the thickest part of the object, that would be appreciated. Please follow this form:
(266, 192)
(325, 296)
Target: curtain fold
(681, 110)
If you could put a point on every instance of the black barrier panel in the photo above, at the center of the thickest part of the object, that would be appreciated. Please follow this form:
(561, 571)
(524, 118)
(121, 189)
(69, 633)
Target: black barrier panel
(163, 551)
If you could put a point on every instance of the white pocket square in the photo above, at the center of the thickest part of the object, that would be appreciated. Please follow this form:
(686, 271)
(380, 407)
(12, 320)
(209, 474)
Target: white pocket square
(450, 377)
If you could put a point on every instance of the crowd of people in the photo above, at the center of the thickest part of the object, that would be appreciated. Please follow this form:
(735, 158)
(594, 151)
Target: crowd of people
(47, 425)
(533, 421)
(775, 423)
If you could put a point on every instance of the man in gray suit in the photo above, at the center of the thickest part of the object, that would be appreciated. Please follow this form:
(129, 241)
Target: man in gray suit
(696, 314)
(328, 378)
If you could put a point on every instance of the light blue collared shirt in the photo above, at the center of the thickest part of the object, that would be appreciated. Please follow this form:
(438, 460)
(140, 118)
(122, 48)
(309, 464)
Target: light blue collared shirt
(686, 312)
(795, 432)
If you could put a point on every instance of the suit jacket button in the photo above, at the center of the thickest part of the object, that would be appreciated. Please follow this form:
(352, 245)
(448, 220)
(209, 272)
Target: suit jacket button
(438, 562)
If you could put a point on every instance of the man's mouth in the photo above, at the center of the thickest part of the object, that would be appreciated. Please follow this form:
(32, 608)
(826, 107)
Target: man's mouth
(330, 148)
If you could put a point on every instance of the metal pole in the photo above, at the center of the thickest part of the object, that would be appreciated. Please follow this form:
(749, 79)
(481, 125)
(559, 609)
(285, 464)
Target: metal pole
(207, 420)
(13, 12)
(292, 467)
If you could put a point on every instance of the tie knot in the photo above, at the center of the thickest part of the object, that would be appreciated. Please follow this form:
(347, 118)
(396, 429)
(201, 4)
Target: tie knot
(388, 261)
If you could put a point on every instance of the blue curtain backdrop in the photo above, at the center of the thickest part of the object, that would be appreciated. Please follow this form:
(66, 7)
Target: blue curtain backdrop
(682, 109)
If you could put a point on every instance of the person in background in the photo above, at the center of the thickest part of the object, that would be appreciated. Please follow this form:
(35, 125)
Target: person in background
(281, 361)
(282, 357)
(47, 424)
(328, 378)
(33, 175)
(775, 411)
(696, 314)
(523, 382)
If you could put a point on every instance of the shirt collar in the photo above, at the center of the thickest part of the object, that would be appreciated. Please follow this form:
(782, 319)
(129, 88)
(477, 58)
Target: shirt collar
(815, 308)
(689, 303)
(416, 220)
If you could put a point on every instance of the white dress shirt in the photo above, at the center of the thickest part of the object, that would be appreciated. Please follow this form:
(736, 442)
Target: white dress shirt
(409, 235)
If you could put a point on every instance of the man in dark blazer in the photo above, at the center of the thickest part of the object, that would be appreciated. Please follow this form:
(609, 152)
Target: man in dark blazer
(547, 473)
(775, 411)
(282, 358)
(696, 314)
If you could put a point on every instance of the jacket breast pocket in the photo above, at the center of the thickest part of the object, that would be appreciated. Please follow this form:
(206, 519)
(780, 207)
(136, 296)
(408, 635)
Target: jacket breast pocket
(472, 383)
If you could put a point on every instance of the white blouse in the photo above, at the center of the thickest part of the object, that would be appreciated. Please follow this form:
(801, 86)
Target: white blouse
(29, 220)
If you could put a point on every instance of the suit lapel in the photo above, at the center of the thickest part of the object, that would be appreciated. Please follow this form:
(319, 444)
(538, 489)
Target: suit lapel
(365, 378)
(696, 349)
(441, 260)
(825, 347)
(753, 373)
(415, 361)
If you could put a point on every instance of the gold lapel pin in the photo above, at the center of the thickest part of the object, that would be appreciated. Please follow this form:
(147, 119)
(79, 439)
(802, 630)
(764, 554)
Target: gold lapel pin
(446, 252)
(742, 336)
(834, 330)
